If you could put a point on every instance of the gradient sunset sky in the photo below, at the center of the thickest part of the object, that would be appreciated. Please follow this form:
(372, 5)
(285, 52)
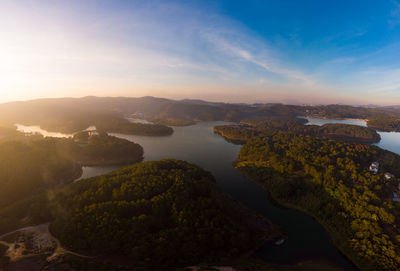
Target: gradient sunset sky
(234, 51)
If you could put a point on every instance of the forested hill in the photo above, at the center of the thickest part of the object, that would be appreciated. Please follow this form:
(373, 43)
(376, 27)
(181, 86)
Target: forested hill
(75, 114)
(100, 149)
(28, 168)
(330, 180)
(347, 132)
(31, 164)
(159, 215)
(72, 115)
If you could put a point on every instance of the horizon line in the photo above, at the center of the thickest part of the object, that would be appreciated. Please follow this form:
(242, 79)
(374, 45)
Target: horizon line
(200, 100)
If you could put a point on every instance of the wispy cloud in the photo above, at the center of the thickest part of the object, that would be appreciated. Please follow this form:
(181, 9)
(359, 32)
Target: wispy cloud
(263, 57)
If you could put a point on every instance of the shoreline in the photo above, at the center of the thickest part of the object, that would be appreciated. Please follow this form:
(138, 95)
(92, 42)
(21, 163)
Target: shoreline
(291, 206)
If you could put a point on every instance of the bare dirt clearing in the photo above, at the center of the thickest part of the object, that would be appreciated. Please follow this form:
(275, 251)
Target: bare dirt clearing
(33, 241)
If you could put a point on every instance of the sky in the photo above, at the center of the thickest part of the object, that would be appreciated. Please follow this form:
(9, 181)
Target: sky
(293, 51)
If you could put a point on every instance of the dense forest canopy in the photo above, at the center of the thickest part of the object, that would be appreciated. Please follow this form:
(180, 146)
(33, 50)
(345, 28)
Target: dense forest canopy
(330, 179)
(29, 167)
(114, 124)
(347, 132)
(159, 214)
(383, 123)
(271, 125)
(30, 164)
(170, 213)
(237, 133)
(8, 132)
(97, 149)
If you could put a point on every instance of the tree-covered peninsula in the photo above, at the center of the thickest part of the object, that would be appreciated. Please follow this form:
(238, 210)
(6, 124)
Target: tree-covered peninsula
(115, 124)
(271, 125)
(156, 215)
(331, 180)
(99, 148)
(384, 123)
(30, 164)
(29, 167)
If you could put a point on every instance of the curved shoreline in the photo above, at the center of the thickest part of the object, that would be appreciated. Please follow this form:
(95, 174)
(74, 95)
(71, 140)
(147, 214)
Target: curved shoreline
(287, 205)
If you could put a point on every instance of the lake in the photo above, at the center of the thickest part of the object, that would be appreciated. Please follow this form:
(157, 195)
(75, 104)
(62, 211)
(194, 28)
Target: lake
(198, 144)
(389, 140)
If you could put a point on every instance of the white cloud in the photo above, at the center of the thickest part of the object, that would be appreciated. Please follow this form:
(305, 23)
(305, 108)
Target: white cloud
(264, 59)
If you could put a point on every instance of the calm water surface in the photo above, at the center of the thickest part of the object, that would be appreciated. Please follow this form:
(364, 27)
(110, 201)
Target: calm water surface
(317, 121)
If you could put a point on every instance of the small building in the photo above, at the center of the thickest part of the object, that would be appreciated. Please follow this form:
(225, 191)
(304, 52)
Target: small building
(374, 167)
(92, 133)
(389, 176)
(396, 197)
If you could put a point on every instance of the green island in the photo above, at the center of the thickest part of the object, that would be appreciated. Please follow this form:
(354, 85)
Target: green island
(269, 125)
(330, 180)
(99, 148)
(112, 124)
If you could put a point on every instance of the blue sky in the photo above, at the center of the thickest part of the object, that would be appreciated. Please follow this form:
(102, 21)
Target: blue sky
(235, 51)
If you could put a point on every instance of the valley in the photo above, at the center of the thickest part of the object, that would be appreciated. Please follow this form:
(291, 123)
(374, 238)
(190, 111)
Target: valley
(200, 145)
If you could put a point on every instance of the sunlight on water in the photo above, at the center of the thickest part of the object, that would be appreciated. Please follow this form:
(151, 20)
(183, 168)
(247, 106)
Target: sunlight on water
(37, 130)
(319, 122)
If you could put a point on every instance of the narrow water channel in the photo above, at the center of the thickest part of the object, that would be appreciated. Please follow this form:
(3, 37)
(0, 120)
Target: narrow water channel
(307, 240)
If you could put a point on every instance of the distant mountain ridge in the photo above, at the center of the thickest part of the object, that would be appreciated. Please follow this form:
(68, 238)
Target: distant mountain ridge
(73, 114)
